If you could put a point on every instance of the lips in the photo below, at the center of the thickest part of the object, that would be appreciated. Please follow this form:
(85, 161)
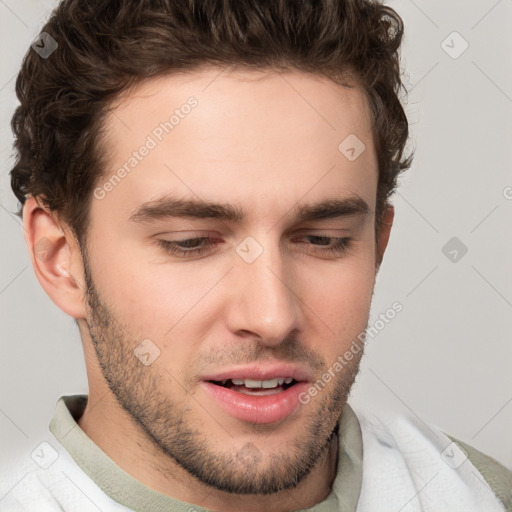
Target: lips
(257, 393)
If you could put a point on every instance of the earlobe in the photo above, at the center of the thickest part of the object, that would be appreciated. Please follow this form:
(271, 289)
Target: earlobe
(54, 254)
(384, 233)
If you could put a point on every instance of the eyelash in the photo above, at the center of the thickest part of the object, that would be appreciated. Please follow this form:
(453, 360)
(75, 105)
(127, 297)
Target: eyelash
(339, 247)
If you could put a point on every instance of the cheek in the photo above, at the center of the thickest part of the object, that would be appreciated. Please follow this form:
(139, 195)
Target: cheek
(160, 300)
(144, 295)
(339, 296)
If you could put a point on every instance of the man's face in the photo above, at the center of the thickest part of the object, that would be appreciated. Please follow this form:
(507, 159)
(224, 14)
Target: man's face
(269, 296)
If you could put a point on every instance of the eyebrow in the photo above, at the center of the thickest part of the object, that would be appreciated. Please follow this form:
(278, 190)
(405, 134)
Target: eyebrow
(170, 207)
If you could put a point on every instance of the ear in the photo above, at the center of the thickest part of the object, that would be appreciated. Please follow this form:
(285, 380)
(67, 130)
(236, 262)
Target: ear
(55, 256)
(384, 230)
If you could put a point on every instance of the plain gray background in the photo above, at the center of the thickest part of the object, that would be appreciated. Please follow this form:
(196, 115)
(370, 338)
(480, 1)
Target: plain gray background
(447, 356)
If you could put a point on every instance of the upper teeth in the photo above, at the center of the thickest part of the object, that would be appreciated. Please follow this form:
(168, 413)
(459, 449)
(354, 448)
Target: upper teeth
(272, 383)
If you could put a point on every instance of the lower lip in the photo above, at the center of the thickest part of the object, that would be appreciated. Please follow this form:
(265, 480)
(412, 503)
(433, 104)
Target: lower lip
(254, 408)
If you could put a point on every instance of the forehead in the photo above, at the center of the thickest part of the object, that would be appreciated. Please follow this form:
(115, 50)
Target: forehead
(245, 99)
(255, 136)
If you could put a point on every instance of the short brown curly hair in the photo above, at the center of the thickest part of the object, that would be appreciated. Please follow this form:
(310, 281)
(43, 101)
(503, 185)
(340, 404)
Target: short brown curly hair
(107, 46)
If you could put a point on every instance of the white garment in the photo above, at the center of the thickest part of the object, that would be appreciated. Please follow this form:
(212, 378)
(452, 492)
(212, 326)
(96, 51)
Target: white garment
(409, 466)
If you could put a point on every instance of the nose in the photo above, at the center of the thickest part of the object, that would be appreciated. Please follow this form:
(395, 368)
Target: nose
(264, 303)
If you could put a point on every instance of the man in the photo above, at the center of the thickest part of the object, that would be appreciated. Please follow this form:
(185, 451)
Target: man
(205, 189)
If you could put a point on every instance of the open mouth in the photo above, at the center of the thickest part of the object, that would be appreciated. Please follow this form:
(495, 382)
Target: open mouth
(257, 387)
(263, 399)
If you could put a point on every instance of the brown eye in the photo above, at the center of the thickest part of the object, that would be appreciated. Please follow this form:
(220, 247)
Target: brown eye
(329, 244)
(186, 247)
